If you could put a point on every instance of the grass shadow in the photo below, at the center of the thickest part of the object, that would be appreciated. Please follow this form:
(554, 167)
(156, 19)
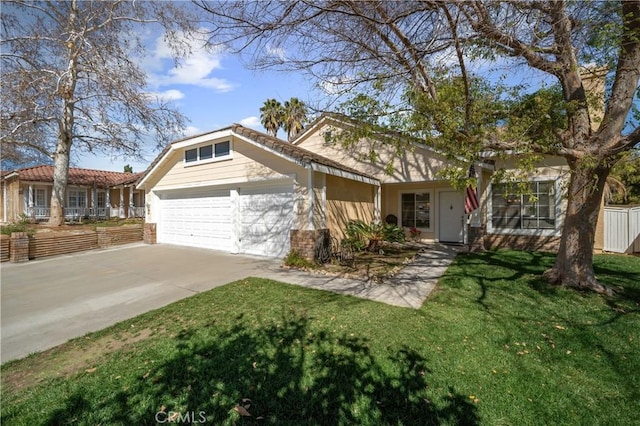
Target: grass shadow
(283, 372)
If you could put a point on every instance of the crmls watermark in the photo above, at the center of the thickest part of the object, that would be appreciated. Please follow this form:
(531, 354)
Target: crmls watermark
(177, 417)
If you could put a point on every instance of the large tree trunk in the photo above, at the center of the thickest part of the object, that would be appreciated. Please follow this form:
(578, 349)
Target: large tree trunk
(574, 263)
(60, 177)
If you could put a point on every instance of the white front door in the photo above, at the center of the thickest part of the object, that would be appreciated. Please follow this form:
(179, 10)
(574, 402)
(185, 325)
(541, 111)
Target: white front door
(451, 217)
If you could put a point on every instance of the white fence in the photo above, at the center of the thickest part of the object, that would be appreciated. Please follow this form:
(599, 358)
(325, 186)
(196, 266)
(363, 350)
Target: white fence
(622, 229)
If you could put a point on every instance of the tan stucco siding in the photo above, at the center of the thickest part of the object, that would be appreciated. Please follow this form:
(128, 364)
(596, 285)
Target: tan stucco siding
(547, 166)
(598, 244)
(414, 164)
(247, 163)
(14, 202)
(347, 200)
(391, 199)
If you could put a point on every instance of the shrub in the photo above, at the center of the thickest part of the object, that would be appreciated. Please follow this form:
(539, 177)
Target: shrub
(393, 234)
(21, 226)
(296, 260)
(353, 244)
(361, 235)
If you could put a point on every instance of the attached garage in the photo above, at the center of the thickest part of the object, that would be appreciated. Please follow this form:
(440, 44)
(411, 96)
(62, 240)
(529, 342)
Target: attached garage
(252, 220)
(241, 191)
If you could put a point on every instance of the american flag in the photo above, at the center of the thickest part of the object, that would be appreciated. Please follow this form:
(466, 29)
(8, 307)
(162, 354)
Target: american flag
(471, 195)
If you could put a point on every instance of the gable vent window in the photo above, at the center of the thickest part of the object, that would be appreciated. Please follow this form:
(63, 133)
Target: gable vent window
(208, 153)
(223, 149)
(191, 155)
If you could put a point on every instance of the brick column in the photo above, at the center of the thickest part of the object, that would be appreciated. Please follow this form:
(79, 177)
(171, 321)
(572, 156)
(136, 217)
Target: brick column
(19, 251)
(104, 239)
(304, 241)
(149, 233)
(476, 238)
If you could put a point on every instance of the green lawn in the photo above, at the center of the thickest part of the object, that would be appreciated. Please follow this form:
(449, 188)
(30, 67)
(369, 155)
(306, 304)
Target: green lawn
(493, 345)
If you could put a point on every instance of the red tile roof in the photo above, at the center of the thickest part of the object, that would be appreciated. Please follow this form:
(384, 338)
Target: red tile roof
(82, 177)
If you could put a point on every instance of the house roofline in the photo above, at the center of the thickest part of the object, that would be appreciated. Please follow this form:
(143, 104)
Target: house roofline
(348, 121)
(308, 159)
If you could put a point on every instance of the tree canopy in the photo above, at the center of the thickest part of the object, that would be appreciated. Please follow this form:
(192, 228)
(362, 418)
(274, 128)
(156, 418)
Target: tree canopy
(418, 58)
(72, 80)
(291, 116)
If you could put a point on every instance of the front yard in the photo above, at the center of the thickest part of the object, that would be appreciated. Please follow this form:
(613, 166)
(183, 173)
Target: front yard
(493, 345)
(364, 265)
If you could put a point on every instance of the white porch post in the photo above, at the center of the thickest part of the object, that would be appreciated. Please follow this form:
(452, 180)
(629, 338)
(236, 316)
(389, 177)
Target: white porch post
(476, 215)
(376, 204)
(121, 204)
(32, 211)
(131, 206)
(324, 201)
(107, 201)
(5, 202)
(94, 192)
(310, 199)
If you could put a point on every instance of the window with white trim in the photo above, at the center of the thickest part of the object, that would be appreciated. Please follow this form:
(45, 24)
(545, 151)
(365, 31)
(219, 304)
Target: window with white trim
(206, 153)
(76, 199)
(416, 210)
(101, 199)
(536, 210)
(40, 199)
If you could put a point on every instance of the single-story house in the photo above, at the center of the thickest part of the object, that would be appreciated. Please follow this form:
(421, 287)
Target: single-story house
(242, 191)
(26, 193)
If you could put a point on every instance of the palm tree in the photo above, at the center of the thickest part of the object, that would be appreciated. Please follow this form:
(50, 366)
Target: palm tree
(614, 190)
(295, 115)
(271, 115)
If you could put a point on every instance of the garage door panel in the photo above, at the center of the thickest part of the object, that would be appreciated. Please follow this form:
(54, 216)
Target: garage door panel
(266, 217)
(197, 218)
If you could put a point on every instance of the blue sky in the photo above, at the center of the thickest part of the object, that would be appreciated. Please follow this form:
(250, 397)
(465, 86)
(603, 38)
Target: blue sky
(213, 89)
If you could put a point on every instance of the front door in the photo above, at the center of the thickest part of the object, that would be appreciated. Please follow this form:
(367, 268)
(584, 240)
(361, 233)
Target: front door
(451, 217)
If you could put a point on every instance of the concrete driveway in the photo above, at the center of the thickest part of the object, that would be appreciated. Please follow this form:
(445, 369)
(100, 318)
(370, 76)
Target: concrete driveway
(47, 302)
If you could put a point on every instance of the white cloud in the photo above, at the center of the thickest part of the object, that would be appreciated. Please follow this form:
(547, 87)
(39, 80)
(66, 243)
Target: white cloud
(252, 121)
(194, 69)
(167, 95)
(191, 130)
(278, 52)
(337, 85)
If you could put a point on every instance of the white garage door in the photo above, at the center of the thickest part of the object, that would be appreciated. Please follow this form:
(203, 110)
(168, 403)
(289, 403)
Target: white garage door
(266, 217)
(197, 218)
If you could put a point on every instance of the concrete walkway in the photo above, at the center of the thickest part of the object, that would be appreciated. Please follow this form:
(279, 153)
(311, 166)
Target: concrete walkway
(47, 302)
(409, 288)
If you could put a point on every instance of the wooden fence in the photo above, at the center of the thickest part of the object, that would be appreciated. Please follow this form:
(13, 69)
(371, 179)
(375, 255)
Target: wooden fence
(47, 244)
(5, 242)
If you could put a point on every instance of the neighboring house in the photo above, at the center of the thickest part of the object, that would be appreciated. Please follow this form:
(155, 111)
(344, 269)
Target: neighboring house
(242, 191)
(90, 194)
